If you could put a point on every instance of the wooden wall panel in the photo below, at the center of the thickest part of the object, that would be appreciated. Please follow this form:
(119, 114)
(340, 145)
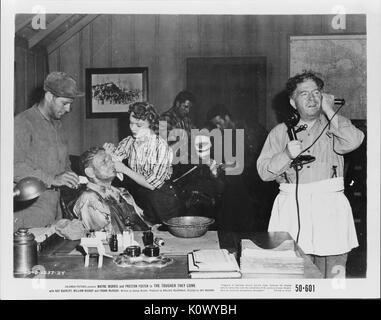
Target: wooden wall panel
(123, 44)
(239, 36)
(189, 46)
(99, 131)
(164, 42)
(30, 71)
(99, 42)
(19, 99)
(212, 35)
(72, 122)
(53, 61)
(168, 60)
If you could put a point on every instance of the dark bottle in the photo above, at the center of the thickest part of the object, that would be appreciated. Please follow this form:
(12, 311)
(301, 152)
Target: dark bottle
(147, 237)
(114, 243)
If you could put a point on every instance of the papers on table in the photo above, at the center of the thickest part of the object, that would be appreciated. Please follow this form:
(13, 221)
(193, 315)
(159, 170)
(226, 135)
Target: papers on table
(213, 263)
(283, 259)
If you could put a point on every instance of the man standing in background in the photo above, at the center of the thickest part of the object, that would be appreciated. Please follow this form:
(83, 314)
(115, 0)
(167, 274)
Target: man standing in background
(178, 116)
(243, 206)
(40, 150)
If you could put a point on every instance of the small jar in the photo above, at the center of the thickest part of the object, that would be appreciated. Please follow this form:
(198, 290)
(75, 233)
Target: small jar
(151, 251)
(133, 251)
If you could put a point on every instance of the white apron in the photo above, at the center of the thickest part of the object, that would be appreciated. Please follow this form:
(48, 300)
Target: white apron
(326, 221)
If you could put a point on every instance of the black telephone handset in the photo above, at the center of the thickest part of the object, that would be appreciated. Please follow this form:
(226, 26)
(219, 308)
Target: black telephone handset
(291, 122)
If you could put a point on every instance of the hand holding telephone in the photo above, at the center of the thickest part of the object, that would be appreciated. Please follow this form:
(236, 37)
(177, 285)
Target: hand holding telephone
(294, 148)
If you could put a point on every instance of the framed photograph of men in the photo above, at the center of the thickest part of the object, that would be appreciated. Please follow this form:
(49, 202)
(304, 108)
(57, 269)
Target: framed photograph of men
(110, 91)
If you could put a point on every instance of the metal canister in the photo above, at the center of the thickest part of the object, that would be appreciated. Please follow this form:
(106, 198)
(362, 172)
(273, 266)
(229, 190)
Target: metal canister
(24, 251)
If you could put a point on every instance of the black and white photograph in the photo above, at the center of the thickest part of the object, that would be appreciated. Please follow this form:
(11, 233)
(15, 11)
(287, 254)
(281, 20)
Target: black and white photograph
(224, 151)
(111, 91)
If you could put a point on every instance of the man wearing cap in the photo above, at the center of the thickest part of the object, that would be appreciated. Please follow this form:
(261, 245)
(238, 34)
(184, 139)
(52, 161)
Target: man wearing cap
(178, 130)
(40, 150)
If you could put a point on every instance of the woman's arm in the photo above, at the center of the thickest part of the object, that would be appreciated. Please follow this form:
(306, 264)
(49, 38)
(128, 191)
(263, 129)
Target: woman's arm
(137, 177)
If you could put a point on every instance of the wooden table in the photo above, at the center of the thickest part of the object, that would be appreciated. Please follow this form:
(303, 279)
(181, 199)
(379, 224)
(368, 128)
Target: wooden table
(59, 264)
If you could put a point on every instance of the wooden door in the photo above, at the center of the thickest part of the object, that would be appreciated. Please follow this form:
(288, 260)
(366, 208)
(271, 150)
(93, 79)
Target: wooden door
(239, 83)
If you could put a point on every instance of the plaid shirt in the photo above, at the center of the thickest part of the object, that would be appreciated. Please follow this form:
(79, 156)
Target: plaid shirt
(175, 122)
(151, 157)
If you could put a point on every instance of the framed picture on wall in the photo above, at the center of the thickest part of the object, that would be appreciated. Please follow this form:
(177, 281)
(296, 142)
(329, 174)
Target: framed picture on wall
(111, 91)
(341, 62)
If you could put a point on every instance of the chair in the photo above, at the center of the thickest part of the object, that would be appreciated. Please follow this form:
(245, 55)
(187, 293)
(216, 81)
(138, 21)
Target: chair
(69, 196)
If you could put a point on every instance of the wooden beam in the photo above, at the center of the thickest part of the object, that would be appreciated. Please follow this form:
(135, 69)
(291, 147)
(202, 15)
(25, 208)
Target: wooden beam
(21, 23)
(71, 32)
(41, 34)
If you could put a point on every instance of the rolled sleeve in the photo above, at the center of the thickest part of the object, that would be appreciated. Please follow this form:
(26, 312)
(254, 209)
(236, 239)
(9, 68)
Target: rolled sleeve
(346, 136)
(274, 159)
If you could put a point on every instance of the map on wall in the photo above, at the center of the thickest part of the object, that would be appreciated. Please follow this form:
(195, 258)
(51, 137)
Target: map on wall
(340, 61)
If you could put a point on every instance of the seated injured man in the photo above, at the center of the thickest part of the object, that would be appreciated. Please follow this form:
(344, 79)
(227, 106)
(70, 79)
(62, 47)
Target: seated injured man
(102, 207)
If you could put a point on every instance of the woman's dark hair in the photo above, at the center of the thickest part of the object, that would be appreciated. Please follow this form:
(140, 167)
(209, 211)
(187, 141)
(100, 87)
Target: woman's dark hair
(293, 82)
(145, 111)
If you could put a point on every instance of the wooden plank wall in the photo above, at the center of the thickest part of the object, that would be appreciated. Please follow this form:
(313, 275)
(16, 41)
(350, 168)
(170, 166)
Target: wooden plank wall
(163, 42)
(31, 67)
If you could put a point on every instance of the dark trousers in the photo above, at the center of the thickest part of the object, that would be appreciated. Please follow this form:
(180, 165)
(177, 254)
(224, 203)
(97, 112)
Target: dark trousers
(159, 204)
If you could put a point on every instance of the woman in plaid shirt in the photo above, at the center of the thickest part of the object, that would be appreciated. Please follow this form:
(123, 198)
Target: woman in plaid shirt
(149, 164)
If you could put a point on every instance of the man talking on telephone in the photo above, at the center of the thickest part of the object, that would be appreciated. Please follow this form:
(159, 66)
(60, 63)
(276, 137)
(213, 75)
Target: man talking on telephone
(311, 204)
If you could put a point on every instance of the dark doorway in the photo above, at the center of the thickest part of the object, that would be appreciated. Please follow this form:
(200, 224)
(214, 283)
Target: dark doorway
(238, 83)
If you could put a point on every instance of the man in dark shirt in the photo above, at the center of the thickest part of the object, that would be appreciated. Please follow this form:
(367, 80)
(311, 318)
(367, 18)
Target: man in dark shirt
(40, 150)
(178, 116)
(177, 130)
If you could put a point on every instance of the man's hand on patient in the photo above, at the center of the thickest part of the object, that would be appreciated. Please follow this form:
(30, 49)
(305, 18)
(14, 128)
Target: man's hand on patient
(68, 178)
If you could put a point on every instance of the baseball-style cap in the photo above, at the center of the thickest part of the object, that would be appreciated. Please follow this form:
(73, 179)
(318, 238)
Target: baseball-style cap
(62, 85)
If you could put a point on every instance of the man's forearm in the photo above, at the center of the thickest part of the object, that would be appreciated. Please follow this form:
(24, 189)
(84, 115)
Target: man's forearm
(271, 167)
